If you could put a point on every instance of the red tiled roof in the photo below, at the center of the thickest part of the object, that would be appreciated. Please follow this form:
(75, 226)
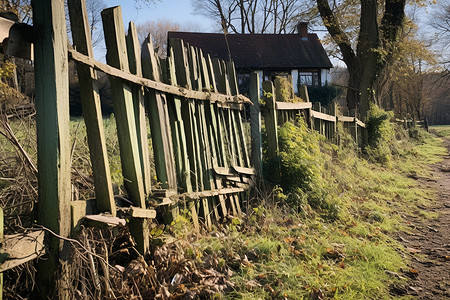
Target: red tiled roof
(261, 51)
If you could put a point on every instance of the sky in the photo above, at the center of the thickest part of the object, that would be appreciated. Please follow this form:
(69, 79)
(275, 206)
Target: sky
(180, 11)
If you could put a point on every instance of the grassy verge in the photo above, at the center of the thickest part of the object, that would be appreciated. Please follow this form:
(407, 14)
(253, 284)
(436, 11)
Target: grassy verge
(298, 251)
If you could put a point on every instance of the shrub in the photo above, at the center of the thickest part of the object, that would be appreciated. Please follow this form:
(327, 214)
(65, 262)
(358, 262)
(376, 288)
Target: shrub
(381, 134)
(302, 167)
(324, 94)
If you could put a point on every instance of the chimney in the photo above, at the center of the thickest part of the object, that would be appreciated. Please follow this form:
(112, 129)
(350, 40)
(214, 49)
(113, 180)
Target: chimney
(302, 28)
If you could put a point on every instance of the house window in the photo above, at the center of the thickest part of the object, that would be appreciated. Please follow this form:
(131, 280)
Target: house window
(270, 75)
(308, 78)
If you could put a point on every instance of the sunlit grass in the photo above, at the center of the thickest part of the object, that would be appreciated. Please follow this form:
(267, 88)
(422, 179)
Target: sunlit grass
(278, 253)
(441, 130)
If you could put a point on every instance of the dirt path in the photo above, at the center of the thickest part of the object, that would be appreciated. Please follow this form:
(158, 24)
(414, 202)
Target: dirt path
(429, 242)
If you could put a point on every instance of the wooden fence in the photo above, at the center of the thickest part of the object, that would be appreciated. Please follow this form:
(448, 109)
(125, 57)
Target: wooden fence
(322, 119)
(194, 110)
(191, 103)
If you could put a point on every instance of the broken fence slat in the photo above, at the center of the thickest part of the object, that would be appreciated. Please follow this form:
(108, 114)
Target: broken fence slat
(21, 248)
(109, 220)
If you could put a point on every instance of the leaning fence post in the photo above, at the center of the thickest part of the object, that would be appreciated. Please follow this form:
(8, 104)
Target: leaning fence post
(271, 129)
(354, 126)
(255, 123)
(53, 139)
(116, 56)
(90, 99)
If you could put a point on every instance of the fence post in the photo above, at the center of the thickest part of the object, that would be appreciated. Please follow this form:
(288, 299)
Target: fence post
(317, 123)
(255, 123)
(271, 129)
(122, 96)
(335, 125)
(90, 99)
(53, 140)
(354, 126)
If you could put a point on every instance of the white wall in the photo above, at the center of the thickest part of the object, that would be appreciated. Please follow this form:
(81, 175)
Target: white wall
(294, 74)
(325, 76)
(261, 79)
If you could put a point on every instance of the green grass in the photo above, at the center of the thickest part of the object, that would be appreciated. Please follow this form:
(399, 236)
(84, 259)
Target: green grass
(283, 253)
(441, 130)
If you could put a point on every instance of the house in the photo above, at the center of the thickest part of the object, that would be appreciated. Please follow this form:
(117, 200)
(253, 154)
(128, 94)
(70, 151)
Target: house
(300, 55)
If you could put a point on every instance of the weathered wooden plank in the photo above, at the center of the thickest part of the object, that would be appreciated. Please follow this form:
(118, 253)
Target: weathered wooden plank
(236, 137)
(272, 130)
(123, 105)
(21, 248)
(293, 106)
(210, 133)
(360, 123)
(226, 156)
(178, 131)
(90, 100)
(211, 120)
(323, 116)
(242, 134)
(232, 80)
(202, 140)
(106, 219)
(134, 62)
(224, 191)
(219, 76)
(121, 92)
(137, 212)
(208, 159)
(224, 171)
(180, 90)
(209, 65)
(205, 75)
(233, 134)
(159, 121)
(255, 123)
(53, 134)
(245, 171)
(346, 119)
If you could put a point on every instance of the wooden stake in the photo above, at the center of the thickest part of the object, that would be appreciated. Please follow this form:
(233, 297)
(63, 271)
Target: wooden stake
(53, 138)
(255, 123)
(90, 100)
(134, 62)
(121, 91)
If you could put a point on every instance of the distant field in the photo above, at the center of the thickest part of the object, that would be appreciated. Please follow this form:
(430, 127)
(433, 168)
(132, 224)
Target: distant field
(441, 130)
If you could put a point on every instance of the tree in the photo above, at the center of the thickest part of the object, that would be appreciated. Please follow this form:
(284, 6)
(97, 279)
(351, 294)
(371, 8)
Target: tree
(158, 31)
(440, 21)
(400, 86)
(20, 8)
(376, 43)
(251, 16)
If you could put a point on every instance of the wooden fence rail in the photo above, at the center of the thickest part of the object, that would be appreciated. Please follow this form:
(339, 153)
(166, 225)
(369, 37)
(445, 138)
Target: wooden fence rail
(276, 113)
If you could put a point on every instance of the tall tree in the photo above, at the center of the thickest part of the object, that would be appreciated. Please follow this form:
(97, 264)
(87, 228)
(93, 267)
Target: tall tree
(251, 16)
(440, 20)
(376, 43)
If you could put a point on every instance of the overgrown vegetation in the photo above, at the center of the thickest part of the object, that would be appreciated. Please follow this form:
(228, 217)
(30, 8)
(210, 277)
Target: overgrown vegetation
(324, 232)
(324, 94)
(329, 234)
